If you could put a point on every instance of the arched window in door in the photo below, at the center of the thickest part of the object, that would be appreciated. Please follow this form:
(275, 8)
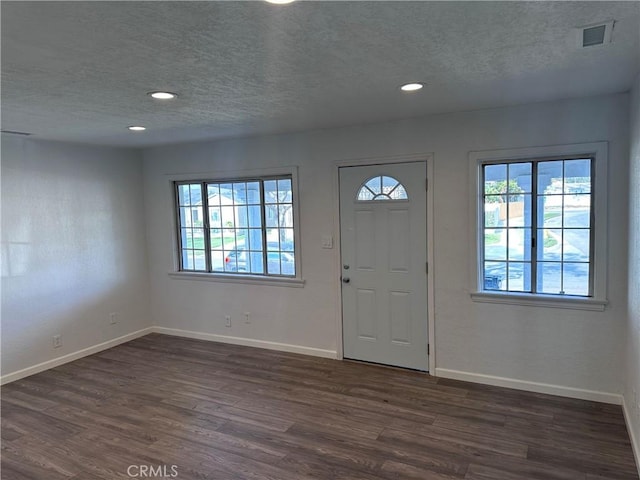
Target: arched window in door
(382, 187)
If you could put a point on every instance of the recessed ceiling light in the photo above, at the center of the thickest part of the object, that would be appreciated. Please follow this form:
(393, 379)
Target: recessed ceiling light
(411, 87)
(137, 128)
(162, 95)
(280, 2)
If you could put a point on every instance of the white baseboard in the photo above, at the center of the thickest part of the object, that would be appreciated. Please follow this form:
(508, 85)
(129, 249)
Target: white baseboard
(25, 372)
(248, 342)
(635, 446)
(559, 390)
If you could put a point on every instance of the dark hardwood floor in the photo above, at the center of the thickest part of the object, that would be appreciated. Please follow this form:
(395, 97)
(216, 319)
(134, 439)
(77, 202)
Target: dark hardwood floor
(225, 412)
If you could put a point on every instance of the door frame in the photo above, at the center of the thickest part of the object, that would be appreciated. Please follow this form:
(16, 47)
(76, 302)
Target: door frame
(428, 158)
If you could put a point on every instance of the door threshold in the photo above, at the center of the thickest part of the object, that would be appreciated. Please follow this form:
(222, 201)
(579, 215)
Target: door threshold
(384, 365)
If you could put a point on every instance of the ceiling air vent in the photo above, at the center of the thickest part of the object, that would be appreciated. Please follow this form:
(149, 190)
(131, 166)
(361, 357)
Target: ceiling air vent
(596, 34)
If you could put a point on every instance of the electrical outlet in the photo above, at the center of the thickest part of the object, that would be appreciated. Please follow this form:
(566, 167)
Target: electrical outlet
(227, 319)
(57, 341)
(247, 317)
(113, 318)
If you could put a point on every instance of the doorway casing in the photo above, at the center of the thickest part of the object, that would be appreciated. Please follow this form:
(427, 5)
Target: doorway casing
(337, 270)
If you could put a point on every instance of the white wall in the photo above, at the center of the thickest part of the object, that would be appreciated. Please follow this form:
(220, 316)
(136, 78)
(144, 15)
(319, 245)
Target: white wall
(632, 384)
(562, 347)
(73, 248)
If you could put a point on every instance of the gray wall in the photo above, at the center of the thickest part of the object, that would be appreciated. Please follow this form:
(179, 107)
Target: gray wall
(632, 384)
(73, 248)
(569, 348)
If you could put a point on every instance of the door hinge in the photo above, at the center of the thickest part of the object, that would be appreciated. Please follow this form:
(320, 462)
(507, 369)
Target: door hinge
(428, 349)
(426, 268)
(426, 184)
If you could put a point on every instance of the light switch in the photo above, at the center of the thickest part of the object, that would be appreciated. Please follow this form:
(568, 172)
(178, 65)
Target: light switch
(327, 241)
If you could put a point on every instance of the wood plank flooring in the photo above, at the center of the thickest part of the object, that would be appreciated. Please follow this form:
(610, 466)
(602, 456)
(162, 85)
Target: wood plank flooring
(226, 412)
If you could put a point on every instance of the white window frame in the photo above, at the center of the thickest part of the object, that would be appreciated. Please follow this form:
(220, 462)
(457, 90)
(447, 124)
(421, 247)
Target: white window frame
(248, 278)
(598, 151)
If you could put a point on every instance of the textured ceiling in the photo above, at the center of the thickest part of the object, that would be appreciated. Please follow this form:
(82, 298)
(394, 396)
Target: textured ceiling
(79, 71)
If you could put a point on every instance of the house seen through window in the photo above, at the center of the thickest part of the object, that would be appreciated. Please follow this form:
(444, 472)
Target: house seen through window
(237, 227)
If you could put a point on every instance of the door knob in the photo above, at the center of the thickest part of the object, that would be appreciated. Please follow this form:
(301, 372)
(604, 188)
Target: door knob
(346, 279)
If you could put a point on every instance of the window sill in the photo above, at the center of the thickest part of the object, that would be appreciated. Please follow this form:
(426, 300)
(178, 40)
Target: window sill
(551, 301)
(244, 279)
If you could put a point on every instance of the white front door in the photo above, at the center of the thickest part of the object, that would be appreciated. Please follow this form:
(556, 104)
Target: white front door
(384, 253)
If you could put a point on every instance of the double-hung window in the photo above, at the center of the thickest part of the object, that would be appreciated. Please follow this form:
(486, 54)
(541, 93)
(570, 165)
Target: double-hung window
(243, 226)
(541, 224)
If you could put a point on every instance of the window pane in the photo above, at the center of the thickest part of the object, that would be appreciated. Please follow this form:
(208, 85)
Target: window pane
(270, 191)
(217, 260)
(273, 263)
(398, 193)
(375, 185)
(187, 260)
(200, 260)
(495, 244)
(365, 194)
(228, 216)
(255, 239)
(285, 214)
(215, 237)
(255, 216)
(495, 179)
(492, 213)
(519, 277)
(519, 210)
(196, 216)
(495, 274)
(186, 237)
(576, 278)
(287, 264)
(196, 194)
(253, 193)
(241, 217)
(226, 193)
(550, 177)
(185, 217)
(215, 219)
(519, 178)
(550, 210)
(198, 238)
(286, 239)
(577, 210)
(257, 262)
(576, 245)
(239, 193)
(213, 193)
(184, 197)
(549, 277)
(577, 176)
(519, 243)
(388, 183)
(273, 239)
(271, 215)
(549, 244)
(241, 238)
(284, 190)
